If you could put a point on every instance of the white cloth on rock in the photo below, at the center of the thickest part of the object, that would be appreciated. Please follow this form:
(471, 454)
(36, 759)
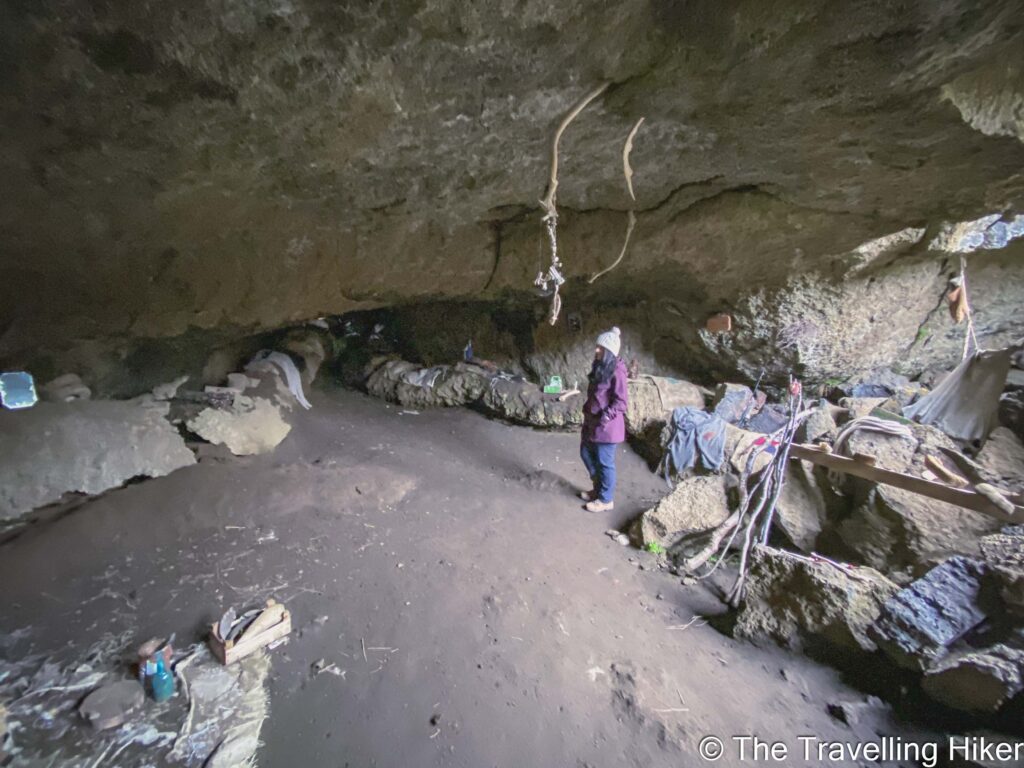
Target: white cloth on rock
(291, 372)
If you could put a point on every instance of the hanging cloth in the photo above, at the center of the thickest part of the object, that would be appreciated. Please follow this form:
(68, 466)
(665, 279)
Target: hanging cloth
(965, 405)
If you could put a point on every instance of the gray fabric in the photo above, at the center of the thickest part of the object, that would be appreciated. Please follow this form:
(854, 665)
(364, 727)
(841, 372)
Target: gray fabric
(865, 424)
(425, 377)
(869, 424)
(291, 372)
(965, 405)
(694, 433)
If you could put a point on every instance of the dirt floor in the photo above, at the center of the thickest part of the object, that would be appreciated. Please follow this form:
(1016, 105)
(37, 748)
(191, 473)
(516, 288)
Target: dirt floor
(501, 626)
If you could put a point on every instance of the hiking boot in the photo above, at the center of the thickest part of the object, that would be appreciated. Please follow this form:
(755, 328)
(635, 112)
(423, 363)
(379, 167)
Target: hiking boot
(588, 495)
(599, 506)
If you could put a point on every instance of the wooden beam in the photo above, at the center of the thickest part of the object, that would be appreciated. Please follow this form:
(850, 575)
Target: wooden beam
(960, 497)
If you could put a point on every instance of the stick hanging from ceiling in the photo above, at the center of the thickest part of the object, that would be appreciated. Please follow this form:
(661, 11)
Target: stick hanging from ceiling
(550, 218)
(627, 171)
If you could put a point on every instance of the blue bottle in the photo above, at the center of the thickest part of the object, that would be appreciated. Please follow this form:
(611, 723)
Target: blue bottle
(162, 682)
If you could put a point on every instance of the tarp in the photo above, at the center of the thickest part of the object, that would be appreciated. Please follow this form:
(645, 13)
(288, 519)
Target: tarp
(965, 405)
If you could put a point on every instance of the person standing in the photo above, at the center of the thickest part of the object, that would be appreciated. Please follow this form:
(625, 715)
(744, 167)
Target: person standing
(604, 424)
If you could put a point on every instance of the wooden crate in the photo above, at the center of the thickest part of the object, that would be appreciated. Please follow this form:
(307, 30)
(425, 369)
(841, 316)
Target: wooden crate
(247, 645)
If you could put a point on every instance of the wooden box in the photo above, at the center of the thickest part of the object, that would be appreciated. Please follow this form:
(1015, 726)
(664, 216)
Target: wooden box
(229, 653)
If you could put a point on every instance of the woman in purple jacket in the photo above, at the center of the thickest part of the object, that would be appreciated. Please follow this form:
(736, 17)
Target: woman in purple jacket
(604, 425)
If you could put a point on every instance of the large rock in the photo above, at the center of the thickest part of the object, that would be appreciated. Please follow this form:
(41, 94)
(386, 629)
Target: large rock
(917, 626)
(87, 446)
(790, 599)
(653, 398)
(741, 444)
(860, 407)
(1002, 458)
(899, 532)
(525, 403)
(1004, 554)
(978, 681)
(1011, 412)
(820, 425)
(651, 402)
(695, 505)
(801, 513)
(881, 383)
(415, 387)
(252, 425)
(732, 402)
(65, 389)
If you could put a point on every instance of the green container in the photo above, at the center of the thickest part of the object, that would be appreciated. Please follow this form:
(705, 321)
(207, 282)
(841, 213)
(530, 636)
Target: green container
(554, 386)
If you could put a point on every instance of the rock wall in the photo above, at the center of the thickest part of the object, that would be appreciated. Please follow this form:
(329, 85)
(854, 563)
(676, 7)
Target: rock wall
(253, 165)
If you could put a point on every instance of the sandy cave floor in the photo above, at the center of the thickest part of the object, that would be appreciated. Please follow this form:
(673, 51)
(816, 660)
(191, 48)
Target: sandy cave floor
(502, 627)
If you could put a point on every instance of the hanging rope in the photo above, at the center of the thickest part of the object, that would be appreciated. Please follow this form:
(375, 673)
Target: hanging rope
(553, 276)
(970, 337)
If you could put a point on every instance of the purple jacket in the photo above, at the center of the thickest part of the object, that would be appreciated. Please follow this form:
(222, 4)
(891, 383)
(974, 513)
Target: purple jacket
(603, 413)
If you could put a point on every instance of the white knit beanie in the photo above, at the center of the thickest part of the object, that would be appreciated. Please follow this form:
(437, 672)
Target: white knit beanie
(610, 340)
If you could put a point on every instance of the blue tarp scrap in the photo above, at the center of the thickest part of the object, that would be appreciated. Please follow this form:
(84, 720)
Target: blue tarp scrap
(17, 390)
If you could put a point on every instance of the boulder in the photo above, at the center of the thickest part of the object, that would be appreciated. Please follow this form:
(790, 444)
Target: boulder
(899, 532)
(738, 445)
(65, 389)
(880, 383)
(651, 402)
(770, 419)
(525, 403)
(1002, 459)
(1004, 555)
(252, 425)
(904, 534)
(653, 398)
(819, 425)
(978, 680)
(732, 401)
(412, 386)
(86, 446)
(695, 505)
(800, 512)
(1011, 412)
(861, 406)
(918, 624)
(790, 599)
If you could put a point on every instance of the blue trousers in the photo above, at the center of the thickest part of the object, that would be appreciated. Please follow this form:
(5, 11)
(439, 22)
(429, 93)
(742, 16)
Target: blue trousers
(599, 459)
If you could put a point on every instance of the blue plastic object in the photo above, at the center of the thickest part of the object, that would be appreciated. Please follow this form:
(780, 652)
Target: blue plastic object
(163, 682)
(17, 390)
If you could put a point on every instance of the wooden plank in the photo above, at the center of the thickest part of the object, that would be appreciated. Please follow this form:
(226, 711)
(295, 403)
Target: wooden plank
(958, 496)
